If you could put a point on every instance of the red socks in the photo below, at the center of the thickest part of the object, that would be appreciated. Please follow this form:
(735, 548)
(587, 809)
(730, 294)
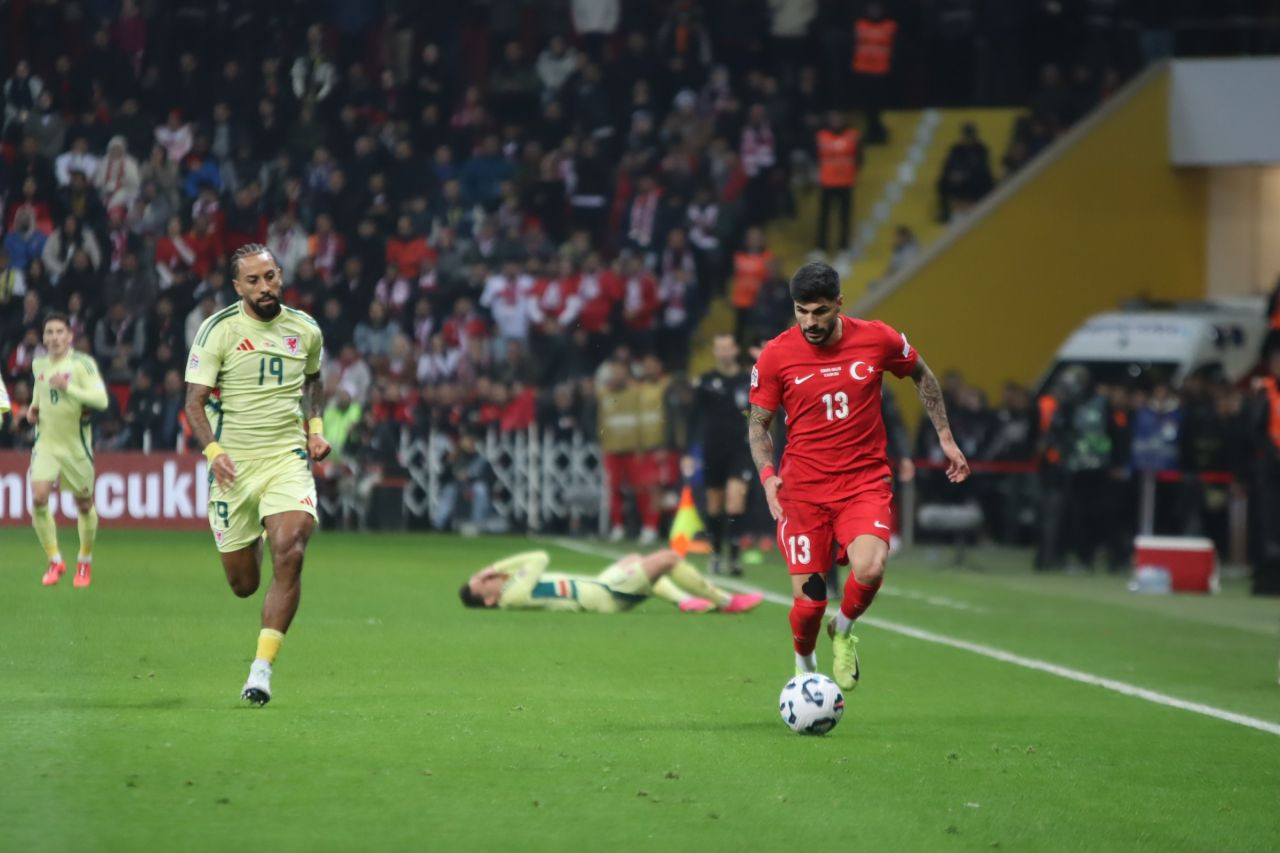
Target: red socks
(857, 597)
(806, 622)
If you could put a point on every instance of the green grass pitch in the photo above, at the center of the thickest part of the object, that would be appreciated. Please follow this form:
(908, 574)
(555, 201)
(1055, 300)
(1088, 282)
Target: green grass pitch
(402, 721)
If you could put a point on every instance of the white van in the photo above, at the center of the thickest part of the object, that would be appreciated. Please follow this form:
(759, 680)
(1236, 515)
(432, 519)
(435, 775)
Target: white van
(1221, 336)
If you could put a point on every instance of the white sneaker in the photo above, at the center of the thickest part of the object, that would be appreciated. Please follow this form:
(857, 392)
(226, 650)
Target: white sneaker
(258, 688)
(617, 534)
(648, 536)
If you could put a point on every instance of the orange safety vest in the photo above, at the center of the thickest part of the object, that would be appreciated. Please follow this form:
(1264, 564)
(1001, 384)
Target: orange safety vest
(749, 273)
(1273, 410)
(838, 157)
(1048, 406)
(873, 46)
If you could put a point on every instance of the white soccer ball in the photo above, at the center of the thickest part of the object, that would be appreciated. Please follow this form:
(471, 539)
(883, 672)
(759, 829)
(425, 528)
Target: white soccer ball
(811, 704)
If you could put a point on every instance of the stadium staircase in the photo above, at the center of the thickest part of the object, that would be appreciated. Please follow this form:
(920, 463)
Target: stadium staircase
(896, 186)
(1097, 219)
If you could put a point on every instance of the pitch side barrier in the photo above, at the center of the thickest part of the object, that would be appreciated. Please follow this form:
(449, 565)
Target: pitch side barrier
(539, 480)
(1147, 494)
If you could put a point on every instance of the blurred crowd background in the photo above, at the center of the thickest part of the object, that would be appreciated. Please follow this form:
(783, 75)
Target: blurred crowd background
(496, 209)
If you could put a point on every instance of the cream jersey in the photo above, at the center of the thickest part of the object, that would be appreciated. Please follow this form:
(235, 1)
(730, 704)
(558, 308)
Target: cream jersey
(4, 398)
(533, 588)
(257, 369)
(62, 423)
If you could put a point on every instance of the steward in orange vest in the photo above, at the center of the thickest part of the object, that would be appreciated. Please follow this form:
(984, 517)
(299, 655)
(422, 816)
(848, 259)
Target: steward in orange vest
(873, 37)
(839, 149)
(750, 271)
(873, 45)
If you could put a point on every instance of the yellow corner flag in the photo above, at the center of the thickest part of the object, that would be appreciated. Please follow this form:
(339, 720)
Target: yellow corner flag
(686, 525)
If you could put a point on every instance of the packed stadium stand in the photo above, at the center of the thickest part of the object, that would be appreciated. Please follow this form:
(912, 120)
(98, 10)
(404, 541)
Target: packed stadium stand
(486, 207)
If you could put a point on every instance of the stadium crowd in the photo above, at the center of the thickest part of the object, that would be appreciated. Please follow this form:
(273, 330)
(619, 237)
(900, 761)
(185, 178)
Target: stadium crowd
(490, 211)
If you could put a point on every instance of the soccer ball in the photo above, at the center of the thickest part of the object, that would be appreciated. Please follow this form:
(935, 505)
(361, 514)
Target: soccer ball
(811, 704)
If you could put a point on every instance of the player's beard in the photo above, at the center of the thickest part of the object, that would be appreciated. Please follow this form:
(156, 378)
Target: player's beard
(267, 312)
(823, 332)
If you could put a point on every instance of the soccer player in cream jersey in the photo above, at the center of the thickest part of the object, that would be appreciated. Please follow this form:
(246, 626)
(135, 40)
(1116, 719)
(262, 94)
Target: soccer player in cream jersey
(522, 582)
(67, 384)
(253, 370)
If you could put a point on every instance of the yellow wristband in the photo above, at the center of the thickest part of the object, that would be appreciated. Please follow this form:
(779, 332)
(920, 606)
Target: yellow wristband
(212, 451)
(315, 426)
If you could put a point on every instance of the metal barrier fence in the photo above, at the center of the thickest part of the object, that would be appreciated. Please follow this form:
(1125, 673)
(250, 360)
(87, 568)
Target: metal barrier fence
(538, 480)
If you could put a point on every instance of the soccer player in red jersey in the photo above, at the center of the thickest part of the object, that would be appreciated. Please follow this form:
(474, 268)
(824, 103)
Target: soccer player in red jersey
(832, 490)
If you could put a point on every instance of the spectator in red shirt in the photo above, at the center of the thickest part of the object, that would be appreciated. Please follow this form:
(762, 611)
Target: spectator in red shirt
(640, 304)
(406, 250)
(554, 310)
(464, 325)
(207, 246)
(600, 291)
(326, 248)
(173, 250)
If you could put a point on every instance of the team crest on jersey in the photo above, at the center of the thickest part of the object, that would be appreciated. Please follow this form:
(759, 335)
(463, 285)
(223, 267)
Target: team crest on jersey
(217, 536)
(860, 370)
(291, 344)
(755, 376)
(193, 362)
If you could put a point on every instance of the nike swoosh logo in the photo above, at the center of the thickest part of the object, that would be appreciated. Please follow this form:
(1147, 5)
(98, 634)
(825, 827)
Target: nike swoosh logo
(881, 526)
(802, 379)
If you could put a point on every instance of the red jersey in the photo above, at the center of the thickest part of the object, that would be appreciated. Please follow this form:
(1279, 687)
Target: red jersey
(830, 396)
(599, 293)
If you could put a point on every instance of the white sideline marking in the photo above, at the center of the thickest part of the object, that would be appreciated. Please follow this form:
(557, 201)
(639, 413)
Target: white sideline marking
(935, 600)
(995, 654)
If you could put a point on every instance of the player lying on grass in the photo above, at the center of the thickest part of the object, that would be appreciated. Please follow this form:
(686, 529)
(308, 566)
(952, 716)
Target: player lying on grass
(522, 582)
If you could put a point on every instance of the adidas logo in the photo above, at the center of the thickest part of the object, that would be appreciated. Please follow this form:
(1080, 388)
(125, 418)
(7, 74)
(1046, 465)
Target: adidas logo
(245, 345)
(307, 502)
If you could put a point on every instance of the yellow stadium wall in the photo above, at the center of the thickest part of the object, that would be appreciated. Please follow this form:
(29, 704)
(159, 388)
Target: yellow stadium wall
(1104, 219)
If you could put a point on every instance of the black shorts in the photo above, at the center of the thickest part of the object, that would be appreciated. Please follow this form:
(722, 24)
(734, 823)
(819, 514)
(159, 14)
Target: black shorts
(724, 461)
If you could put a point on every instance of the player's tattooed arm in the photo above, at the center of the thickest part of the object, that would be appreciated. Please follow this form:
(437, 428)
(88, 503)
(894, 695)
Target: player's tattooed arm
(931, 396)
(313, 402)
(313, 396)
(197, 398)
(759, 437)
(761, 441)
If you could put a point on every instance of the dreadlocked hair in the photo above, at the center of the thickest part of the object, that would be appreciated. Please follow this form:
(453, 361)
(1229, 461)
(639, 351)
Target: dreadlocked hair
(245, 251)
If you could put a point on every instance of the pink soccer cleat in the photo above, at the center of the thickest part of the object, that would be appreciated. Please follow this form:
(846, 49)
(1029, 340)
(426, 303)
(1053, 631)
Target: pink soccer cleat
(84, 574)
(696, 605)
(741, 602)
(54, 574)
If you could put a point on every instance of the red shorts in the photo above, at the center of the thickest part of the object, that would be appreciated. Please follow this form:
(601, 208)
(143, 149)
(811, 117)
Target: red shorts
(621, 469)
(664, 467)
(810, 533)
(648, 468)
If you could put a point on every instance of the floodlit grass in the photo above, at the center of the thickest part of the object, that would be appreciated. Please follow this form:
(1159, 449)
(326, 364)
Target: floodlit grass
(402, 721)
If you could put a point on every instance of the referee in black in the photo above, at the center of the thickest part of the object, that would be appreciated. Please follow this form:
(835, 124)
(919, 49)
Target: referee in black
(718, 424)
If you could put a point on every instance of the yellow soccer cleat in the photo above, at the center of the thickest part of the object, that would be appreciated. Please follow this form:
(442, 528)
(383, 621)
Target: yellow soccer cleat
(844, 657)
